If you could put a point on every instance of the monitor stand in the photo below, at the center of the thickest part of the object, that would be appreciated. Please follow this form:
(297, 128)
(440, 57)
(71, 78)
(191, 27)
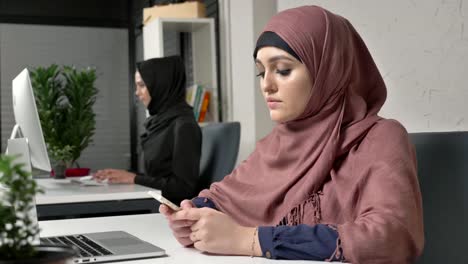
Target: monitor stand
(17, 145)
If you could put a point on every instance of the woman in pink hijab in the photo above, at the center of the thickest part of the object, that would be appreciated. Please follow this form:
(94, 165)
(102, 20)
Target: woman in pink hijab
(333, 180)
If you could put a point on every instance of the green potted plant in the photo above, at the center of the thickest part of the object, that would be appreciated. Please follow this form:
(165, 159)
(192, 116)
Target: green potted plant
(18, 227)
(62, 158)
(65, 97)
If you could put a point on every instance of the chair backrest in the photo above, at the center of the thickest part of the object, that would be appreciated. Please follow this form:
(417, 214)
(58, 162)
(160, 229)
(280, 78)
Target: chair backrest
(443, 177)
(220, 146)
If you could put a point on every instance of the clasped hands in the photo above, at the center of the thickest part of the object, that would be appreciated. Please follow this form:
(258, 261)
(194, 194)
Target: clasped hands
(210, 231)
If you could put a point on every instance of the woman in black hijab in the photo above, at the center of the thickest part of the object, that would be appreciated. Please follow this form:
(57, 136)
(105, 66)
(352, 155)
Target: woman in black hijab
(172, 141)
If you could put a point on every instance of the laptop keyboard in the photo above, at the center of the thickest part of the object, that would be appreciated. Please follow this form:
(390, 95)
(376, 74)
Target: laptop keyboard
(86, 247)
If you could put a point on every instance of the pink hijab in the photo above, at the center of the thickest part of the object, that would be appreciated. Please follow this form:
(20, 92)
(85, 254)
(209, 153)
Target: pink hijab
(289, 167)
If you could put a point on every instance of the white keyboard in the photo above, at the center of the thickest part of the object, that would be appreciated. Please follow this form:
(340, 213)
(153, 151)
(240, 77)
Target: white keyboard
(88, 181)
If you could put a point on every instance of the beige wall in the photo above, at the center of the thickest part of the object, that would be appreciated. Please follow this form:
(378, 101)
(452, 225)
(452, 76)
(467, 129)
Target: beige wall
(421, 49)
(242, 24)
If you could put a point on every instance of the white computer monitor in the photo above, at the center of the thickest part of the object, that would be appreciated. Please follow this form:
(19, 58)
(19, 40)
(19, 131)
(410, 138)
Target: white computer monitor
(28, 125)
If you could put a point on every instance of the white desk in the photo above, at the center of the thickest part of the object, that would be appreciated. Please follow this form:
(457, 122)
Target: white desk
(64, 191)
(62, 199)
(152, 228)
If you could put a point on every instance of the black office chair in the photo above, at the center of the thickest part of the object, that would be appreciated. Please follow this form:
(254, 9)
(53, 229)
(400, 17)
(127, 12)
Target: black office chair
(220, 146)
(443, 177)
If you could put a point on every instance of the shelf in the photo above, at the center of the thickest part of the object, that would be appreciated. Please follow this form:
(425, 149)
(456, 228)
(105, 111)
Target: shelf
(184, 25)
(202, 35)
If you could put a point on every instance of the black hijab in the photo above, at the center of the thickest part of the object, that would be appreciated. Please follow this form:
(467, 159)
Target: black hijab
(165, 80)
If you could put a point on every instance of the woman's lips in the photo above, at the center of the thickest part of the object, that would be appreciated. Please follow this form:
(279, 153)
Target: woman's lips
(273, 103)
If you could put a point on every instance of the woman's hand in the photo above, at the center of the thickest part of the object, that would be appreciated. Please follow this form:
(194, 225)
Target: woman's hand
(180, 228)
(114, 176)
(215, 232)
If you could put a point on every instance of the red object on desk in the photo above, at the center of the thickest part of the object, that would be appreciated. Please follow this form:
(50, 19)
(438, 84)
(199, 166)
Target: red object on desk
(77, 172)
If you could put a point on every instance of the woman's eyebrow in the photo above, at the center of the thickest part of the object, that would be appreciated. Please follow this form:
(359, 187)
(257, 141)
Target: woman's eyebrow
(275, 58)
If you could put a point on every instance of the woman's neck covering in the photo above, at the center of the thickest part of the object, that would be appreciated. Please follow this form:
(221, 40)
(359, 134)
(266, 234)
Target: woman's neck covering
(165, 80)
(291, 164)
(282, 181)
(289, 167)
(270, 39)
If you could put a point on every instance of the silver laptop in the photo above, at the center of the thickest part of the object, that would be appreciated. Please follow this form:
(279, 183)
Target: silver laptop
(104, 246)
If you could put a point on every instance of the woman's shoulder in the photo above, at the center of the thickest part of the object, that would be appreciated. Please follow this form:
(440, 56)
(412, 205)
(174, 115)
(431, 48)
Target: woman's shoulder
(388, 128)
(185, 123)
(387, 136)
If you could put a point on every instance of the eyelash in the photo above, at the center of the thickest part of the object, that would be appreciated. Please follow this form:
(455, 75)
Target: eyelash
(281, 72)
(284, 72)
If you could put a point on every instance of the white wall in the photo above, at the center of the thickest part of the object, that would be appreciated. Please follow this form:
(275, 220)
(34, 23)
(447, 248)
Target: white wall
(104, 48)
(263, 11)
(246, 19)
(421, 49)
(243, 73)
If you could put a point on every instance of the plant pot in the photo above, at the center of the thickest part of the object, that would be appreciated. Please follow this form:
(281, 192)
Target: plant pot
(47, 255)
(59, 171)
(77, 172)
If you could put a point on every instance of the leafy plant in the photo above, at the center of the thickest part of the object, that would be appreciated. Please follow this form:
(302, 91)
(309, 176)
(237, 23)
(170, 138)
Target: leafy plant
(17, 229)
(65, 98)
(63, 155)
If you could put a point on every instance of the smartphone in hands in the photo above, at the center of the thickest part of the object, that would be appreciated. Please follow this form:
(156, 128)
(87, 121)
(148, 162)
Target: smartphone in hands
(161, 199)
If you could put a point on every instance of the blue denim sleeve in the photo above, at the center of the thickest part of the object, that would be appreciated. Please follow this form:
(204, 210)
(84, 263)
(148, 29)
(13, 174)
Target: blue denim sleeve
(304, 242)
(200, 202)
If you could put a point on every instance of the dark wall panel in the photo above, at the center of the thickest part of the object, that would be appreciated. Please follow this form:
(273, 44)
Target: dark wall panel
(101, 13)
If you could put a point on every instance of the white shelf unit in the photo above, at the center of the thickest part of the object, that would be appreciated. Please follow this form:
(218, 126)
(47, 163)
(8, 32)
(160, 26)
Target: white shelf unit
(203, 51)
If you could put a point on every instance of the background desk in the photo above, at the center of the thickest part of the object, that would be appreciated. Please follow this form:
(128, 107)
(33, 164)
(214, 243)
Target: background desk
(152, 228)
(63, 199)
